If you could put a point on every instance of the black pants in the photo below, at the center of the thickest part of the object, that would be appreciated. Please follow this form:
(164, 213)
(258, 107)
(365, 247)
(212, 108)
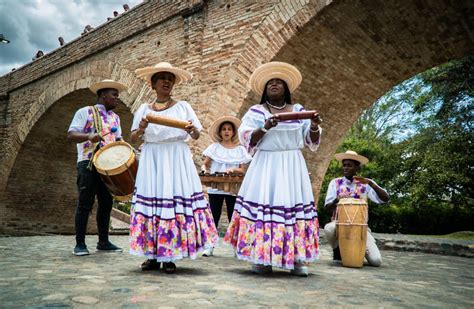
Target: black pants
(216, 201)
(89, 185)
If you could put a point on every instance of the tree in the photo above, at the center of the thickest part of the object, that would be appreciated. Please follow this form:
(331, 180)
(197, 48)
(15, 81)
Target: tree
(420, 142)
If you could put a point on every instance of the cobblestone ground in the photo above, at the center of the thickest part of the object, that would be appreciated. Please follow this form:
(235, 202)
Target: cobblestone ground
(37, 272)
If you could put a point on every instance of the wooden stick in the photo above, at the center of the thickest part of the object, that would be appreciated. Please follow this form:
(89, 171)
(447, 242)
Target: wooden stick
(295, 115)
(167, 121)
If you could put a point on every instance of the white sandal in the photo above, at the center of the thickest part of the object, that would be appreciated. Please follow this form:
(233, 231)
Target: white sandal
(300, 270)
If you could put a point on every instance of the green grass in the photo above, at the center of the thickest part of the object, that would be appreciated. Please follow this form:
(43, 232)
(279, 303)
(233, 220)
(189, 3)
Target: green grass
(465, 235)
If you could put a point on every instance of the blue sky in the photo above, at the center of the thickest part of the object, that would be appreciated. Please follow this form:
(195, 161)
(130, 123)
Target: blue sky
(33, 25)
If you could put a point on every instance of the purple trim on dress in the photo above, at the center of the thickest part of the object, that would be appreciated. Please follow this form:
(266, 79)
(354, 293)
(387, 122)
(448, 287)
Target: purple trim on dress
(167, 203)
(196, 196)
(241, 199)
(289, 213)
(257, 111)
(159, 217)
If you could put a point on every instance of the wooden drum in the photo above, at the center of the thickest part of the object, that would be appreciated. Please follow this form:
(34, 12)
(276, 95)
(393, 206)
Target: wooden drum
(351, 229)
(223, 181)
(117, 166)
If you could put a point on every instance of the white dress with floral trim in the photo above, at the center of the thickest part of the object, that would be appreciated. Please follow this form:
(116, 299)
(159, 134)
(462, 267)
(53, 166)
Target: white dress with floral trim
(225, 158)
(170, 217)
(275, 220)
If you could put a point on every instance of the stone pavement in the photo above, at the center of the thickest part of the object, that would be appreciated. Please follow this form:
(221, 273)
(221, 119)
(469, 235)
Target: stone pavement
(41, 272)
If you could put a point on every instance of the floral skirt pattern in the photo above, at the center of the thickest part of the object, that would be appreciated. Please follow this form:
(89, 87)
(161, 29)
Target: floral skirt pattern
(170, 218)
(275, 220)
(168, 240)
(274, 243)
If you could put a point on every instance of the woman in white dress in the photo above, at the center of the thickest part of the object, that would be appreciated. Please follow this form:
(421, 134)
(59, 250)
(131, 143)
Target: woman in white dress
(225, 155)
(170, 217)
(275, 221)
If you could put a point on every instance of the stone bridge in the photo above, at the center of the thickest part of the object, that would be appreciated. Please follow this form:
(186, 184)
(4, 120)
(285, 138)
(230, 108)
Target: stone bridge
(350, 52)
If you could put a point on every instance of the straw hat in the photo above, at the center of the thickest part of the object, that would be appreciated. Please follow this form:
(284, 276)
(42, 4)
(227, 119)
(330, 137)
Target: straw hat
(281, 70)
(147, 72)
(107, 83)
(351, 155)
(214, 129)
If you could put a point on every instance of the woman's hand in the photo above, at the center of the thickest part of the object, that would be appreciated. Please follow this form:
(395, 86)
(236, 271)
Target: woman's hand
(191, 129)
(316, 120)
(270, 123)
(143, 124)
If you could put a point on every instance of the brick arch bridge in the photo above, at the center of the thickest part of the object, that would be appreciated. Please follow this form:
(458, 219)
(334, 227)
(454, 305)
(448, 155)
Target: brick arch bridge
(349, 52)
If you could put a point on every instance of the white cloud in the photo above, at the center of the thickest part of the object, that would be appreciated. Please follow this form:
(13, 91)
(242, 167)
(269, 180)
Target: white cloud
(33, 25)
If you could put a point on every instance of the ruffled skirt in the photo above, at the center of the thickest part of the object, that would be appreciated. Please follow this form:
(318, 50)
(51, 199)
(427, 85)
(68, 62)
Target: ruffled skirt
(170, 217)
(275, 220)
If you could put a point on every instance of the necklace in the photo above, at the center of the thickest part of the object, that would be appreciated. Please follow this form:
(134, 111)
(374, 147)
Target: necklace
(166, 103)
(276, 107)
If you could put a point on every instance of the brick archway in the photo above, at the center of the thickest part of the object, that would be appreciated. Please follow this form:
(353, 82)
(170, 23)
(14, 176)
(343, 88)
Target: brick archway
(40, 192)
(349, 52)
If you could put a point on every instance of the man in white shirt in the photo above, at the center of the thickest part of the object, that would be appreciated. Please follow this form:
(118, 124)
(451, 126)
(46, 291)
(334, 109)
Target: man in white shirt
(91, 128)
(352, 186)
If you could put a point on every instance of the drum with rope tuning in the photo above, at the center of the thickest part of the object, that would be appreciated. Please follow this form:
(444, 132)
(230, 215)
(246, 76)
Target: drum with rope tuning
(351, 229)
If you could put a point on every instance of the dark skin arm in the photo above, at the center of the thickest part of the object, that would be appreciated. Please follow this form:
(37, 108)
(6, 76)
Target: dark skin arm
(331, 206)
(380, 192)
(78, 137)
(314, 132)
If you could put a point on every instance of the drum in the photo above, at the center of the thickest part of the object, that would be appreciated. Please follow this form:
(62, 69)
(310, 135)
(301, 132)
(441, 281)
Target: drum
(222, 181)
(117, 166)
(351, 229)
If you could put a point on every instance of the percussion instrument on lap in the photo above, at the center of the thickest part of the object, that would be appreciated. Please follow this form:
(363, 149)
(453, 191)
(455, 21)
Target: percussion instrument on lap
(167, 121)
(117, 166)
(351, 230)
(295, 115)
(222, 181)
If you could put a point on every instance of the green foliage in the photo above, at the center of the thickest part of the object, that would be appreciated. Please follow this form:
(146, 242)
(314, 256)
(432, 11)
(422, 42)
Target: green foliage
(122, 206)
(419, 140)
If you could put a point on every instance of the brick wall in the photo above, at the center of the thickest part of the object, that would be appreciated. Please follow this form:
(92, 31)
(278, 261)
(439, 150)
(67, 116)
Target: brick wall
(349, 52)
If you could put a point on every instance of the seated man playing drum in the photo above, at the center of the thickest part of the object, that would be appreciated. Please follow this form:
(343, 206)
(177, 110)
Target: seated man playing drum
(352, 186)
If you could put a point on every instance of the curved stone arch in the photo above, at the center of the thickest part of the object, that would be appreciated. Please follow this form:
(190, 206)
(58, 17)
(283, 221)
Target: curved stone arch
(330, 27)
(45, 160)
(252, 56)
(81, 79)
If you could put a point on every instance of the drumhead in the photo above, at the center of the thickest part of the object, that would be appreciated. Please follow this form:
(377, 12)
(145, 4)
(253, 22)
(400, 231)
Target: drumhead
(113, 157)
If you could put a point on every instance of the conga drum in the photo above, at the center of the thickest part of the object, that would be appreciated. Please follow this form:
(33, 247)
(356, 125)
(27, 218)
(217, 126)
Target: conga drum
(117, 166)
(351, 229)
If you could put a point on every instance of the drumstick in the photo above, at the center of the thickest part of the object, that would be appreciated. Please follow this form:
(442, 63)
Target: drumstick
(112, 130)
(167, 121)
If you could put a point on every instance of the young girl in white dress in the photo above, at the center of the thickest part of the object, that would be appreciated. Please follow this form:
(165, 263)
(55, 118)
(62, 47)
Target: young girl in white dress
(225, 155)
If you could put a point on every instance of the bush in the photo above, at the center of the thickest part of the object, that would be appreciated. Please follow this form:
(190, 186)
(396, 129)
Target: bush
(122, 206)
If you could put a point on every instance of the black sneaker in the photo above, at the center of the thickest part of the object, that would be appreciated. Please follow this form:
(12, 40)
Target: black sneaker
(80, 250)
(109, 247)
(336, 254)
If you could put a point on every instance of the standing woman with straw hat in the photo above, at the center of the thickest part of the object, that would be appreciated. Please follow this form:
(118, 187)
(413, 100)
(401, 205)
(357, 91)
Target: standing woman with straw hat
(275, 221)
(225, 155)
(170, 217)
